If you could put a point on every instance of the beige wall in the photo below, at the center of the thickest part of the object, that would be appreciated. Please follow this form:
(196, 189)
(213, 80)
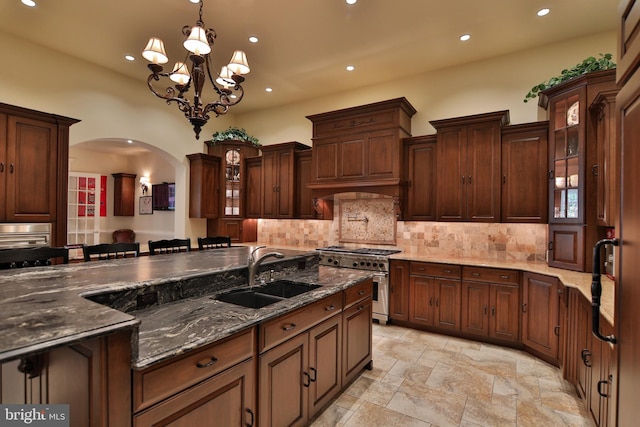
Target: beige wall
(112, 106)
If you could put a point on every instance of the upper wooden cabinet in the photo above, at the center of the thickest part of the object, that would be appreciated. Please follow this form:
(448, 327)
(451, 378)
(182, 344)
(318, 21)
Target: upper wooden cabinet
(360, 148)
(278, 179)
(573, 174)
(524, 172)
(420, 165)
(469, 167)
(34, 159)
(304, 200)
(253, 174)
(204, 190)
(124, 190)
(233, 181)
(603, 116)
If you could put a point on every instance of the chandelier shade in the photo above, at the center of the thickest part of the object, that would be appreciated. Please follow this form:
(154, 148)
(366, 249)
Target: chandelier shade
(154, 52)
(238, 63)
(192, 74)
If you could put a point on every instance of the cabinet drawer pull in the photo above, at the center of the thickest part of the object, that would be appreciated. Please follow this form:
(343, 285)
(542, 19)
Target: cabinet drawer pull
(420, 268)
(475, 274)
(600, 384)
(447, 271)
(484, 310)
(289, 327)
(524, 308)
(556, 331)
(211, 362)
(360, 307)
(493, 311)
(1, 166)
(505, 276)
(250, 424)
(469, 179)
(430, 301)
(315, 375)
(11, 168)
(330, 308)
(361, 292)
(437, 302)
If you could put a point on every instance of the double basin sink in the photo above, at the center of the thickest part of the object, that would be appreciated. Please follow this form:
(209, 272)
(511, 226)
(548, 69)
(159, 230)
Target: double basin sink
(264, 295)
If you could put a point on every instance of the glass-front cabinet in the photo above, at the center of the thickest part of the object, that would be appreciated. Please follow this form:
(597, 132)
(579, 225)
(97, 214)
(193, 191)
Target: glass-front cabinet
(232, 182)
(567, 154)
(232, 220)
(573, 169)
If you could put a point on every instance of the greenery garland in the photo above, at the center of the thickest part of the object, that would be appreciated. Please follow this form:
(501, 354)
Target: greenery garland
(589, 65)
(235, 134)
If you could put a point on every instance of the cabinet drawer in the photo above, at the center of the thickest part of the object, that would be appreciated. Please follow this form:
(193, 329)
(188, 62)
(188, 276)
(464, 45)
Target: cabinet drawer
(282, 328)
(358, 292)
(156, 383)
(492, 275)
(437, 270)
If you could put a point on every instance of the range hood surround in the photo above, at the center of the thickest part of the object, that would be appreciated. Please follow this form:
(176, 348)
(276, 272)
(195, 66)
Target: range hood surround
(359, 149)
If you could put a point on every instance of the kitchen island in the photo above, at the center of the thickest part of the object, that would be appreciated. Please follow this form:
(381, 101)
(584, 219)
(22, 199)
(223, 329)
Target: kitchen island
(163, 309)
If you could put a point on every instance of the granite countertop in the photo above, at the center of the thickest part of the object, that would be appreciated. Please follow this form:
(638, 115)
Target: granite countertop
(48, 307)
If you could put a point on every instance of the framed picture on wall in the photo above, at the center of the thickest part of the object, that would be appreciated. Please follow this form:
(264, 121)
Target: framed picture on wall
(146, 205)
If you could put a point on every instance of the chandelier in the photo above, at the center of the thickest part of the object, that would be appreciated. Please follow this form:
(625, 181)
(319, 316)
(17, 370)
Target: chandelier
(227, 83)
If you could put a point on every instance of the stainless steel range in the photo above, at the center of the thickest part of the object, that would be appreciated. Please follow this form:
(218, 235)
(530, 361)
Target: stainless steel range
(372, 259)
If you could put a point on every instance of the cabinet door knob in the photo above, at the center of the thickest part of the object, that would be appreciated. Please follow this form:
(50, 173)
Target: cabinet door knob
(556, 331)
(430, 301)
(484, 310)
(595, 169)
(469, 179)
(493, 311)
(524, 308)
(1, 166)
(11, 168)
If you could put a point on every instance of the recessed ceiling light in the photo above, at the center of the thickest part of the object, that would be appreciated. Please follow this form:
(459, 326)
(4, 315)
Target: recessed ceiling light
(543, 12)
(350, 68)
(268, 89)
(129, 58)
(352, 1)
(29, 3)
(129, 141)
(253, 39)
(465, 37)
(194, 1)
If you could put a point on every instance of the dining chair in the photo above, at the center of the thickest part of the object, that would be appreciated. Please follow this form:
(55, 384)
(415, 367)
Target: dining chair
(123, 235)
(32, 257)
(214, 242)
(105, 251)
(168, 246)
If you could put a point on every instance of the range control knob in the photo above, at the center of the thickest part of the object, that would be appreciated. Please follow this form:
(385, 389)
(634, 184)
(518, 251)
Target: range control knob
(375, 264)
(362, 263)
(355, 264)
(368, 264)
(335, 262)
(329, 260)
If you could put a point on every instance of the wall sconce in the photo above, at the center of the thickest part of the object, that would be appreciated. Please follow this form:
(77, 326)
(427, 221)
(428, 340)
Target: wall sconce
(144, 184)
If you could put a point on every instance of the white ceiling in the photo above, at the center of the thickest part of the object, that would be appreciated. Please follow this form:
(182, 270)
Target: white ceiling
(306, 44)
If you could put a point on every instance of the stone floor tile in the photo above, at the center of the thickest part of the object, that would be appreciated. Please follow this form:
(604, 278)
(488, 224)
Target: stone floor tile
(433, 405)
(370, 415)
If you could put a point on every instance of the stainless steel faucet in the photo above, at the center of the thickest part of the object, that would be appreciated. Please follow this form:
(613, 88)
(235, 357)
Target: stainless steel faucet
(254, 263)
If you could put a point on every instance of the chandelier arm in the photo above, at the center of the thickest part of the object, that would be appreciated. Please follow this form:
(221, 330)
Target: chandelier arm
(170, 93)
(208, 66)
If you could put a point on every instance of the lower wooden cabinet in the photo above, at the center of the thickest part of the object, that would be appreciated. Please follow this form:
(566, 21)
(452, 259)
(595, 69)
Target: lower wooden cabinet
(93, 377)
(591, 360)
(434, 295)
(298, 377)
(309, 355)
(225, 400)
(399, 290)
(357, 339)
(490, 303)
(541, 322)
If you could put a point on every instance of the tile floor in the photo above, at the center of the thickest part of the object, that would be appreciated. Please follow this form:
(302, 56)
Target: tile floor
(422, 379)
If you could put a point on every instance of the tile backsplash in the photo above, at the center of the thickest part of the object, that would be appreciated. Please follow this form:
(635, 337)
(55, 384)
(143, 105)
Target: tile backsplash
(518, 242)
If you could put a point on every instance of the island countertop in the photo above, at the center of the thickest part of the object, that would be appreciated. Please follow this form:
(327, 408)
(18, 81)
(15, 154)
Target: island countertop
(47, 307)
